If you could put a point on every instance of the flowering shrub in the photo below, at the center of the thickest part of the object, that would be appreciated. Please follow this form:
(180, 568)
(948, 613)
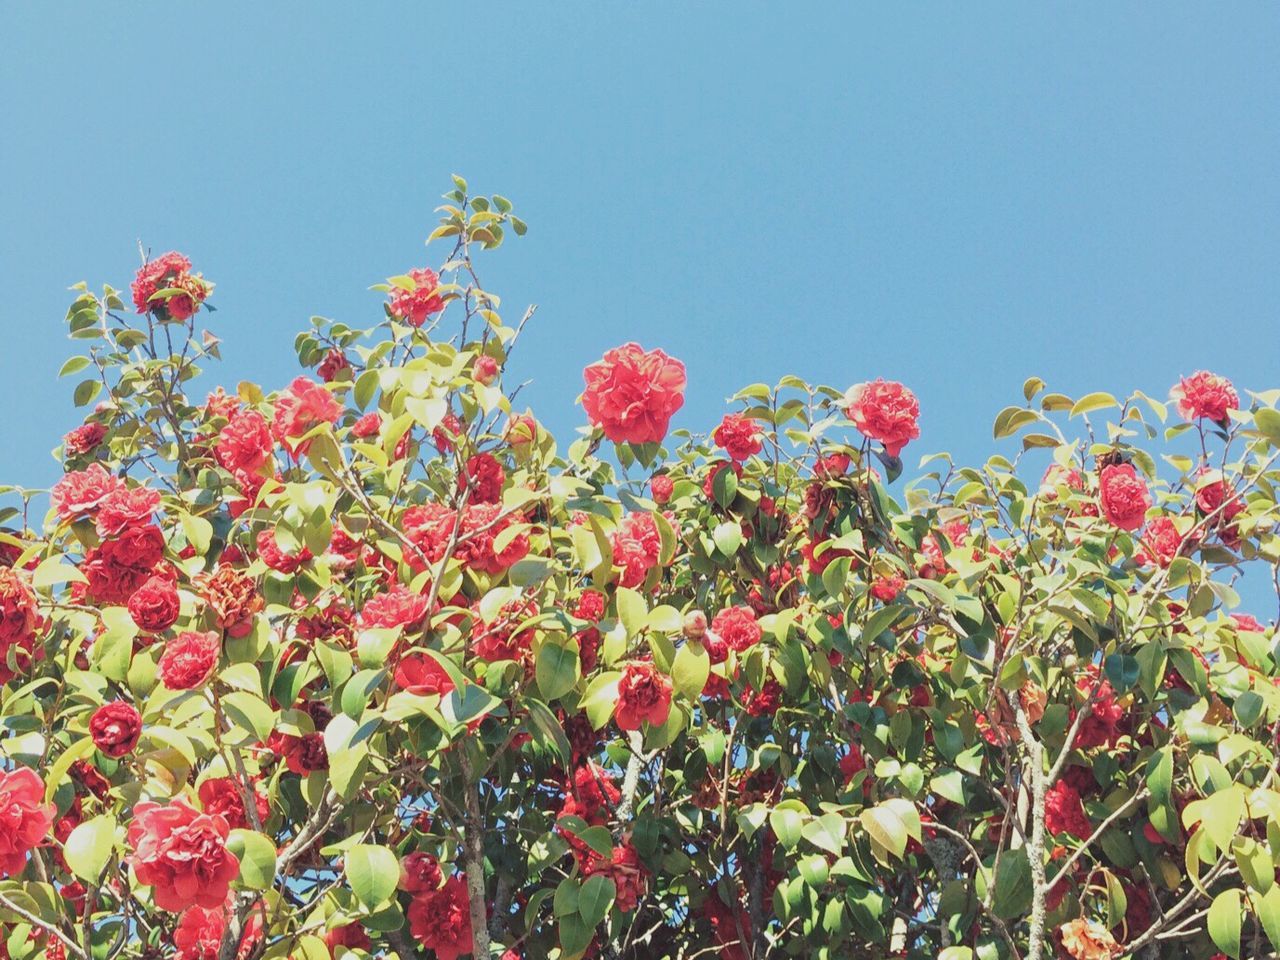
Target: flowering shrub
(372, 665)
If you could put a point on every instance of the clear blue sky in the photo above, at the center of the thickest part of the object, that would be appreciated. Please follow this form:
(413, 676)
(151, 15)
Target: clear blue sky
(956, 196)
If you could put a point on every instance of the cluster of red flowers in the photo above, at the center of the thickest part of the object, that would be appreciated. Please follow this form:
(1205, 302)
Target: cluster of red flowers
(167, 287)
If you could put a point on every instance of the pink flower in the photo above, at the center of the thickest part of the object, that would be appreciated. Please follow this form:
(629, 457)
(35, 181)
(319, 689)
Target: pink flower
(170, 271)
(661, 487)
(632, 395)
(189, 660)
(737, 627)
(484, 369)
(182, 853)
(1161, 542)
(414, 306)
(304, 405)
(886, 411)
(637, 547)
(1124, 495)
(739, 436)
(24, 817)
(1205, 396)
(644, 695)
(82, 491)
(126, 507)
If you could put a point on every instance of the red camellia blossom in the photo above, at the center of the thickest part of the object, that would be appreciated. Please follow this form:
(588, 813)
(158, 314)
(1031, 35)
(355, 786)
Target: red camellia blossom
(198, 935)
(422, 674)
(189, 659)
(484, 369)
(350, 935)
(245, 443)
(481, 525)
(886, 589)
(632, 395)
(83, 439)
(1064, 813)
(233, 597)
(115, 728)
(739, 436)
(1084, 940)
(886, 411)
(304, 405)
(644, 695)
(482, 478)
(624, 868)
(592, 795)
(398, 607)
(82, 491)
(182, 853)
(118, 567)
(420, 873)
(224, 797)
(414, 306)
(273, 556)
(440, 920)
(19, 613)
(1124, 496)
(333, 364)
(1205, 396)
(125, 507)
(1161, 542)
(738, 628)
(637, 546)
(24, 817)
(170, 271)
(661, 488)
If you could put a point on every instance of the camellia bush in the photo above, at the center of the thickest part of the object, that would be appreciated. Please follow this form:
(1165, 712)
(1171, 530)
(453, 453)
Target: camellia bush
(371, 665)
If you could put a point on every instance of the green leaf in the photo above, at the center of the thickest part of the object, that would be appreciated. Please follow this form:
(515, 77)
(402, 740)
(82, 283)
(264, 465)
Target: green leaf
(89, 847)
(1224, 922)
(1268, 424)
(1267, 907)
(257, 858)
(372, 873)
(787, 825)
(1013, 885)
(690, 669)
(558, 668)
(885, 828)
(600, 698)
(727, 537)
(1160, 775)
(1093, 401)
(632, 611)
(827, 832)
(595, 898)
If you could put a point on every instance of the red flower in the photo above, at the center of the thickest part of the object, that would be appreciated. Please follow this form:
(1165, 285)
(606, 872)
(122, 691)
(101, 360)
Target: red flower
(170, 271)
(367, 426)
(302, 755)
(1063, 811)
(886, 411)
(739, 436)
(420, 873)
(625, 870)
(398, 607)
(126, 507)
(637, 547)
(244, 444)
(441, 920)
(189, 660)
(632, 395)
(224, 797)
(117, 568)
(590, 606)
(276, 558)
(592, 795)
(82, 491)
(198, 935)
(414, 306)
(115, 728)
(886, 589)
(484, 370)
(334, 362)
(24, 817)
(765, 701)
(350, 935)
(233, 598)
(482, 523)
(1161, 542)
(484, 475)
(738, 628)
(304, 405)
(503, 638)
(644, 694)
(1124, 496)
(1205, 396)
(83, 439)
(19, 614)
(661, 487)
(182, 853)
(422, 674)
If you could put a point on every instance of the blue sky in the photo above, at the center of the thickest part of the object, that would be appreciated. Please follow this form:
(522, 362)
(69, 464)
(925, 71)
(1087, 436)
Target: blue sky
(956, 196)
